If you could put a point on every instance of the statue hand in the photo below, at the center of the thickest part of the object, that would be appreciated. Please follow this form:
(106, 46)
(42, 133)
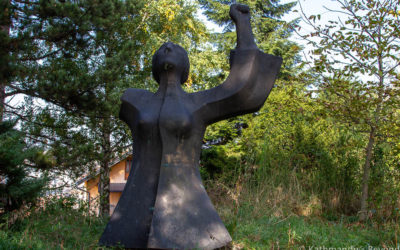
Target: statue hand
(239, 12)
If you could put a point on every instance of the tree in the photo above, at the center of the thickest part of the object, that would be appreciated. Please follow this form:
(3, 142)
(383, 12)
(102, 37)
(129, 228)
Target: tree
(73, 59)
(17, 161)
(271, 33)
(358, 59)
(63, 56)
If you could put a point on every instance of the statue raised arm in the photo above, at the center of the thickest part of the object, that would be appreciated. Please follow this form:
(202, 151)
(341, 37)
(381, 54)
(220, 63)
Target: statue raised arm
(164, 204)
(251, 77)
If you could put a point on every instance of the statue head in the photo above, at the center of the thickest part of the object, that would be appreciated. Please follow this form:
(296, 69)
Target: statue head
(172, 57)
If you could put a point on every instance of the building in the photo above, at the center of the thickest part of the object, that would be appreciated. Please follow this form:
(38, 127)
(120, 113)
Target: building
(119, 172)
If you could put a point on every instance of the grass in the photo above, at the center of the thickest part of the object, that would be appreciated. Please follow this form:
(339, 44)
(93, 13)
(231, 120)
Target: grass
(59, 226)
(302, 232)
(251, 226)
(281, 219)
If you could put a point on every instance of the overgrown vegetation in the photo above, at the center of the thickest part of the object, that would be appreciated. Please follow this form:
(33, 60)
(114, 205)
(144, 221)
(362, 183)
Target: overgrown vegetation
(313, 136)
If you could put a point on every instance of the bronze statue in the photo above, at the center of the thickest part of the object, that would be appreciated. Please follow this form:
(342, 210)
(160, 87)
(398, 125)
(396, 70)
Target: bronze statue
(164, 204)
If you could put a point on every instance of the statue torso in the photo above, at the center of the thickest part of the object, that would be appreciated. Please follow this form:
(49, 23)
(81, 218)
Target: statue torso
(167, 139)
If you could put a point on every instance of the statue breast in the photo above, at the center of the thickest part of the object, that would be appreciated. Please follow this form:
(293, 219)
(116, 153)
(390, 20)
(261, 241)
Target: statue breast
(175, 118)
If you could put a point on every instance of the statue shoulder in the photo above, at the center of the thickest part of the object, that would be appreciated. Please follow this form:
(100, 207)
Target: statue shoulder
(134, 96)
(132, 102)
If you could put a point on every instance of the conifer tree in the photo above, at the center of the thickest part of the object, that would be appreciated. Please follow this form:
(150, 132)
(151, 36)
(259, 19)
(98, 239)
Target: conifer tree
(71, 60)
(270, 31)
(17, 161)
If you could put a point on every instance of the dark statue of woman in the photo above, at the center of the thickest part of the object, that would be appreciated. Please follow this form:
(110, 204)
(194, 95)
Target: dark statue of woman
(164, 204)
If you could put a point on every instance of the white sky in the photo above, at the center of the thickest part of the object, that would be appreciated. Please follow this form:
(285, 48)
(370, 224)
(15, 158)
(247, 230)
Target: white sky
(311, 7)
(314, 7)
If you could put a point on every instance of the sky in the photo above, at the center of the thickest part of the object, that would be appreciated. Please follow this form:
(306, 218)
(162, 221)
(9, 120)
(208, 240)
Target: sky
(310, 7)
(313, 7)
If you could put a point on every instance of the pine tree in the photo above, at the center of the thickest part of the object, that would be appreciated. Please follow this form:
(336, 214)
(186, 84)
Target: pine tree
(17, 161)
(63, 56)
(270, 31)
(73, 59)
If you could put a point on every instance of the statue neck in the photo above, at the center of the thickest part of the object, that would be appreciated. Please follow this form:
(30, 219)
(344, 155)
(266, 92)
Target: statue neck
(169, 81)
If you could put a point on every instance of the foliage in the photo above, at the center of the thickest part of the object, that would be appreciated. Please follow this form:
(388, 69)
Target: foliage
(72, 61)
(17, 161)
(67, 57)
(271, 34)
(290, 138)
(358, 59)
(309, 139)
(215, 163)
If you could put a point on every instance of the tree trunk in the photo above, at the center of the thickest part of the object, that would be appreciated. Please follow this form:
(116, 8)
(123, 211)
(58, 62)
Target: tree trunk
(104, 190)
(364, 192)
(4, 56)
(2, 100)
(104, 181)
